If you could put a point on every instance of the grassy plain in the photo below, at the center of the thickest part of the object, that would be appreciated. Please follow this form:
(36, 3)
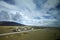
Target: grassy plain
(42, 34)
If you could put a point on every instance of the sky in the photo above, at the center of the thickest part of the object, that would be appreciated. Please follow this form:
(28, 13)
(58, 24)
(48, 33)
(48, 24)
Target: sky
(31, 12)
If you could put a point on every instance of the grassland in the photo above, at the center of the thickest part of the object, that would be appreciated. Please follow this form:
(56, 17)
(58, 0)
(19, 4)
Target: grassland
(42, 34)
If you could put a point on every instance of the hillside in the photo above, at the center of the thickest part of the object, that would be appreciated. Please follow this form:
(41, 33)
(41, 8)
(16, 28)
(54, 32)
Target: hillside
(6, 23)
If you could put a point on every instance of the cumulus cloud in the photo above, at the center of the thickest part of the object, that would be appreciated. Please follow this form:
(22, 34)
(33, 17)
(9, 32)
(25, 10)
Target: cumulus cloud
(33, 12)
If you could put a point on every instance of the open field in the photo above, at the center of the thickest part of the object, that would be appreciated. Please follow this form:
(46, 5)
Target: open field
(42, 34)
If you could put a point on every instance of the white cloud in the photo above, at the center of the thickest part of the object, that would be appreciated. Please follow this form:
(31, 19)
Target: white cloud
(2, 3)
(27, 9)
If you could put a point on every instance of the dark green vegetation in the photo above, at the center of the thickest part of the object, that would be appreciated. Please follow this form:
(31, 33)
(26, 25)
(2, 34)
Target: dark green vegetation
(42, 34)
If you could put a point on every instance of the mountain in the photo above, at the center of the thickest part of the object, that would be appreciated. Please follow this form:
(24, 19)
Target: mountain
(7, 23)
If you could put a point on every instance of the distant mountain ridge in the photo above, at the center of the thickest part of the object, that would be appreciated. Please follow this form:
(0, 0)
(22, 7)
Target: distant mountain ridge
(7, 23)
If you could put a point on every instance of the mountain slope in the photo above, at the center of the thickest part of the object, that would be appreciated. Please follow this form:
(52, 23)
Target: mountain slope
(6, 23)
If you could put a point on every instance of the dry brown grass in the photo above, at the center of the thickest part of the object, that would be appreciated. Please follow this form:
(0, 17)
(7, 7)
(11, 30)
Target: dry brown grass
(42, 34)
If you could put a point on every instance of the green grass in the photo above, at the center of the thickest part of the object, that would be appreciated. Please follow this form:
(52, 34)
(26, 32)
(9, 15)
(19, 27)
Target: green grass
(42, 34)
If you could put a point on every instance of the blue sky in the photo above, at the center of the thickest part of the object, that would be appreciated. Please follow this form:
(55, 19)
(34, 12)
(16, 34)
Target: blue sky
(31, 12)
(10, 1)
